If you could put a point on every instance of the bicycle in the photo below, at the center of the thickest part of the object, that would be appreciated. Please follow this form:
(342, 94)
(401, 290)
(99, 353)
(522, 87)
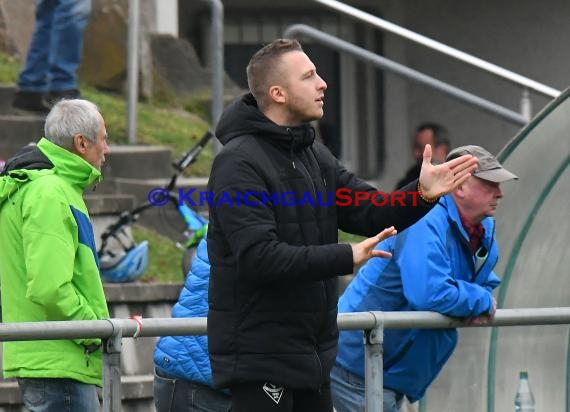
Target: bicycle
(129, 262)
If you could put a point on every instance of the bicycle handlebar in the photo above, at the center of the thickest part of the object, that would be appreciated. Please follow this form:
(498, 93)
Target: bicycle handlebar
(128, 217)
(191, 155)
(188, 158)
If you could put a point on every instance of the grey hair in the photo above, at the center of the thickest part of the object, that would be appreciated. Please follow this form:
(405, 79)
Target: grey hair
(70, 117)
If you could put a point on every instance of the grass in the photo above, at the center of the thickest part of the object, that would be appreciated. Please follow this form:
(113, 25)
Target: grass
(9, 69)
(172, 127)
(165, 259)
(344, 237)
(166, 123)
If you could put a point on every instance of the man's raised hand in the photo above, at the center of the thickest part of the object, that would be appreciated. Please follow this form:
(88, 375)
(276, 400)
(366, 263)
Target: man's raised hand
(437, 180)
(364, 250)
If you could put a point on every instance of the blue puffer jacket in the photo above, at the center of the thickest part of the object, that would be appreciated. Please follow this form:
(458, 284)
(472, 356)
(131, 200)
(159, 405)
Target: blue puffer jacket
(186, 357)
(431, 269)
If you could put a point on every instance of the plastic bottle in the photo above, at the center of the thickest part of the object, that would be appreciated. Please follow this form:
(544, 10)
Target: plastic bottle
(524, 399)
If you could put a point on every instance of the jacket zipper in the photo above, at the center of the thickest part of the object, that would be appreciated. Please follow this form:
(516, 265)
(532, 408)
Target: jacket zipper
(488, 253)
(465, 243)
(307, 176)
(320, 365)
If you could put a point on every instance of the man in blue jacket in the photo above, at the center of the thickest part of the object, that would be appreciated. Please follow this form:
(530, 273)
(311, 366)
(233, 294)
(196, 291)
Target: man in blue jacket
(444, 263)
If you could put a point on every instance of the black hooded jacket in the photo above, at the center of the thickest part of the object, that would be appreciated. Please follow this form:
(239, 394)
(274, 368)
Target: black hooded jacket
(29, 157)
(275, 258)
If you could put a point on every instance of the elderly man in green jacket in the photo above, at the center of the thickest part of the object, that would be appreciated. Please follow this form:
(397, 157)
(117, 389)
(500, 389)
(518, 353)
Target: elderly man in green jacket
(48, 262)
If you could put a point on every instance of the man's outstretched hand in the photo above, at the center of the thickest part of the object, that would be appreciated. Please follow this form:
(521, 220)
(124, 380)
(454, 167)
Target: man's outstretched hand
(364, 250)
(437, 180)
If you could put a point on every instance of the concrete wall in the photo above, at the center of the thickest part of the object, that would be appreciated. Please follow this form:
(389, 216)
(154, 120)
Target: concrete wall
(167, 17)
(523, 36)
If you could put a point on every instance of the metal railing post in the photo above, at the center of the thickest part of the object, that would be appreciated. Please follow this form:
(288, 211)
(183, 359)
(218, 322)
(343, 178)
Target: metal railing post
(374, 365)
(112, 347)
(217, 65)
(133, 69)
(526, 105)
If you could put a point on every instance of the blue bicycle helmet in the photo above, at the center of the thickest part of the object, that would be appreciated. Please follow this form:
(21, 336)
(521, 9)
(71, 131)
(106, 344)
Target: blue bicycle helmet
(126, 265)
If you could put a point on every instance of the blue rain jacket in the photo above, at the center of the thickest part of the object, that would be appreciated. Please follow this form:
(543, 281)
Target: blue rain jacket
(186, 357)
(431, 269)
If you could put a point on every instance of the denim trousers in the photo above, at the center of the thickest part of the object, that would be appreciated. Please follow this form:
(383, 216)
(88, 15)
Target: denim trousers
(348, 393)
(181, 395)
(58, 395)
(55, 50)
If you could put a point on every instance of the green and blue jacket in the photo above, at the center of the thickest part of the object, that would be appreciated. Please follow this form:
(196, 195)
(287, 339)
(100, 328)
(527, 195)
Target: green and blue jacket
(48, 261)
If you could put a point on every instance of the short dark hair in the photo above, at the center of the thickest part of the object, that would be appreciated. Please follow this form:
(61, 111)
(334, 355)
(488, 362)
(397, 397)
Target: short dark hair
(263, 67)
(440, 136)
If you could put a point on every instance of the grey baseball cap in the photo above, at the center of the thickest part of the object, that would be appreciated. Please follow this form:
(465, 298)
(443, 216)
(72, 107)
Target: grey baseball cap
(489, 167)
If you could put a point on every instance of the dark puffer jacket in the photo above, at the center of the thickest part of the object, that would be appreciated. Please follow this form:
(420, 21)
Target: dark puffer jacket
(273, 288)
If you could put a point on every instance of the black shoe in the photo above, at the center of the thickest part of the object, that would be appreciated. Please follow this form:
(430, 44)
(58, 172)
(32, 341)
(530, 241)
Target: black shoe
(55, 96)
(31, 101)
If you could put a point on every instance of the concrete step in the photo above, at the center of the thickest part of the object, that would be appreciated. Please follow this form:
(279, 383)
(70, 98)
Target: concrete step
(142, 189)
(133, 163)
(136, 292)
(9, 392)
(108, 204)
(7, 92)
(138, 162)
(17, 130)
(163, 219)
(104, 209)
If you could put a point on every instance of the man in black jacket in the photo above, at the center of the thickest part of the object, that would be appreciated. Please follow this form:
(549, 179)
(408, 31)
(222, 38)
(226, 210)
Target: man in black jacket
(273, 237)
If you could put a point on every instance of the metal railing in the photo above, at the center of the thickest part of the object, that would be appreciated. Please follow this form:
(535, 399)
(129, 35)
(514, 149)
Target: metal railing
(401, 70)
(133, 41)
(525, 82)
(216, 65)
(112, 331)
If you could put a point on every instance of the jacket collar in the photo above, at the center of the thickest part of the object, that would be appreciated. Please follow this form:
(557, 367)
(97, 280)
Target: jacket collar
(453, 212)
(243, 117)
(69, 165)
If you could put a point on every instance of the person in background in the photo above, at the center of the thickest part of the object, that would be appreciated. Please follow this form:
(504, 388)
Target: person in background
(273, 291)
(183, 376)
(48, 262)
(434, 135)
(444, 263)
(54, 54)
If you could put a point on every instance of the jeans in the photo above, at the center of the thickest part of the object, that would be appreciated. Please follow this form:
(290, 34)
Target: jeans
(58, 395)
(180, 395)
(348, 393)
(55, 50)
